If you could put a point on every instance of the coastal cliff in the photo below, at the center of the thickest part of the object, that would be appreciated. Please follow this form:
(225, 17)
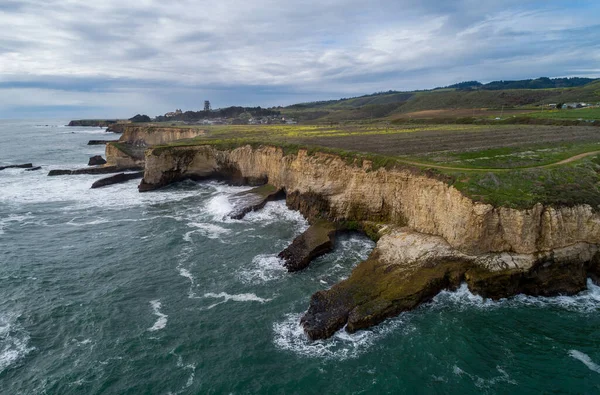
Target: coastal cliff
(432, 237)
(143, 135)
(128, 151)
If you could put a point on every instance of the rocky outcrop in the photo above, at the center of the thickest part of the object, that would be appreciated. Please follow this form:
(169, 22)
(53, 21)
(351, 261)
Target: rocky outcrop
(445, 237)
(124, 156)
(93, 170)
(34, 168)
(324, 185)
(146, 136)
(254, 199)
(96, 160)
(93, 122)
(117, 179)
(116, 128)
(408, 268)
(23, 166)
(128, 151)
(101, 142)
(317, 240)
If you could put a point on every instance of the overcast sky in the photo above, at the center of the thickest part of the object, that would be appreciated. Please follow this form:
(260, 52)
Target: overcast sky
(109, 58)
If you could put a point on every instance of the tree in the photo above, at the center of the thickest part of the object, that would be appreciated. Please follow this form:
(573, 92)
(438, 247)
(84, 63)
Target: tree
(140, 118)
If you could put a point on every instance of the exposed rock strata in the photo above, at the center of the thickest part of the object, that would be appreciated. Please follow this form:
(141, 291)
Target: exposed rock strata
(117, 157)
(146, 136)
(341, 192)
(129, 150)
(117, 179)
(447, 238)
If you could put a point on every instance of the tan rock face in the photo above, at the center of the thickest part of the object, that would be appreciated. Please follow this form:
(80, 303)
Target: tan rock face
(423, 204)
(147, 136)
(116, 157)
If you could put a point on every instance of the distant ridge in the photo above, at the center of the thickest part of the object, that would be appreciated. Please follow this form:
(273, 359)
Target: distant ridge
(538, 83)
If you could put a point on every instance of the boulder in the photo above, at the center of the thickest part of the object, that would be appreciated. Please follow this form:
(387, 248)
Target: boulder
(96, 160)
(317, 240)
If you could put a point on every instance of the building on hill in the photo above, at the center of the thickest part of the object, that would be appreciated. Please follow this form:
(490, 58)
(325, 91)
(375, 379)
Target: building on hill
(174, 114)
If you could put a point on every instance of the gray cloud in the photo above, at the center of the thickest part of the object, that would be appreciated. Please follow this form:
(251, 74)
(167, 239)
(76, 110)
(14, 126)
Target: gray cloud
(150, 54)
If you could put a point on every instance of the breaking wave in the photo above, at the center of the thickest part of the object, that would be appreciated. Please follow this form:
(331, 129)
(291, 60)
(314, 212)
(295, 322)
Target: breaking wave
(161, 322)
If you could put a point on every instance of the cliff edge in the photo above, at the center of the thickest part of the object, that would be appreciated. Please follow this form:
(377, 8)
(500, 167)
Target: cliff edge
(434, 237)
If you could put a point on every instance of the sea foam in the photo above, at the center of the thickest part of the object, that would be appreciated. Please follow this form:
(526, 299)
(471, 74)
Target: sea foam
(236, 298)
(14, 341)
(161, 322)
(585, 359)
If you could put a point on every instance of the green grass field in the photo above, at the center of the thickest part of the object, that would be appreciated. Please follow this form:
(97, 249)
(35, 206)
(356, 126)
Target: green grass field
(575, 114)
(505, 165)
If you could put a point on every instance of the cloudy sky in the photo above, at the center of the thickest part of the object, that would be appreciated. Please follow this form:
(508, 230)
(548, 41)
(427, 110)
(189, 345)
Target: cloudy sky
(109, 58)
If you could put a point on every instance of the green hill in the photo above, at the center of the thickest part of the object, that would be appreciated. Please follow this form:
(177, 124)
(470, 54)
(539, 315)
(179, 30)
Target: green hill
(393, 103)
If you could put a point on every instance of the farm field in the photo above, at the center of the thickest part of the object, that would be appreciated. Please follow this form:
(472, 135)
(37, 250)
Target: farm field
(504, 165)
(579, 113)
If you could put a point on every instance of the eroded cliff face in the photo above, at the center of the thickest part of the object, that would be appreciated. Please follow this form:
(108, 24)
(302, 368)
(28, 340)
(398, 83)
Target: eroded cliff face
(149, 135)
(434, 238)
(135, 139)
(123, 160)
(398, 197)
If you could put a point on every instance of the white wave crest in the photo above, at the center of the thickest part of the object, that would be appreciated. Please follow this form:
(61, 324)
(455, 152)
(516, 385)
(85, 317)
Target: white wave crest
(236, 298)
(14, 218)
(161, 322)
(14, 340)
(587, 301)
(277, 212)
(210, 231)
(289, 335)
(481, 382)
(264, 268)
(585, 359)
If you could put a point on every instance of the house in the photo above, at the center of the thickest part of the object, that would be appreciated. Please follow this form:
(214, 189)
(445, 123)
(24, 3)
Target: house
(572, 105)
(173, 114)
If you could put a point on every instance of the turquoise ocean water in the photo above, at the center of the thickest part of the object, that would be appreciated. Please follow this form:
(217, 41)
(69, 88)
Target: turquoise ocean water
(115, 292)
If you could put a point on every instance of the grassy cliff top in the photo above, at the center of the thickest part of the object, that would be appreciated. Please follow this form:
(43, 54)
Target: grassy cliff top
(504, 165)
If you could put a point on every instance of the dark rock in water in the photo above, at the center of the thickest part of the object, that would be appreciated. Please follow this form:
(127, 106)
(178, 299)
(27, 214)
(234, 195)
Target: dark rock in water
(93, 170)
(254, 199)
(314, 242)
(34, 168)
(376, 291)
(117, 179)
(93, 122)
(96, 161)
(23, 166)
(101, 142)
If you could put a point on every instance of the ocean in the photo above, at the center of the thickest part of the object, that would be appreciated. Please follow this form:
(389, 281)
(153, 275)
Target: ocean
(115, 292)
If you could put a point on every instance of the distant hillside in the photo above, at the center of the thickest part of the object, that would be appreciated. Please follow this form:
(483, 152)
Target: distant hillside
(465, 95)
(538, 83)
